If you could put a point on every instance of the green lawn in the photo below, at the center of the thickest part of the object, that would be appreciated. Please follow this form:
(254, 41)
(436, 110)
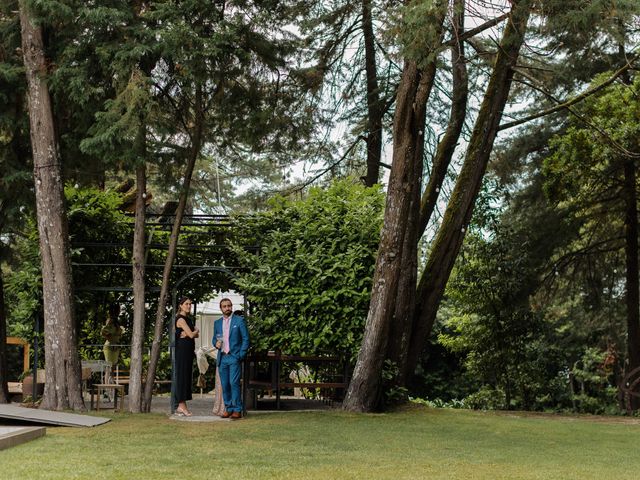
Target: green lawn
(411, 444)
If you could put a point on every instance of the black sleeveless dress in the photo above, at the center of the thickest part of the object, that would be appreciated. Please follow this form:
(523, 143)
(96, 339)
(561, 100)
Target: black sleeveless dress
(185, 353)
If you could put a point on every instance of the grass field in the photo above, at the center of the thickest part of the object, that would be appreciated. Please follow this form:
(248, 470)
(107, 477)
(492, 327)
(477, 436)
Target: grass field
(415, 443)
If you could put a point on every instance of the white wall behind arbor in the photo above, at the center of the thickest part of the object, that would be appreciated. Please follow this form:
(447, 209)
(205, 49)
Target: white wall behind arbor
(209, 311)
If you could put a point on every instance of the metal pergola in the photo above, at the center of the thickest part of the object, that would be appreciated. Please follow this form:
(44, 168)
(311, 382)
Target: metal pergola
(207, 224)
(219, 222)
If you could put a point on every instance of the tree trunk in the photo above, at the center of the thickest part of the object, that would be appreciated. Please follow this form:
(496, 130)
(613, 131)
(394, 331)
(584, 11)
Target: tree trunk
(447, 145)
(460, 207)
(406, 298)
(375, 108)
(365, 388)
(138, 261)
(364, 392)
(196, 145)
(62, 365)
(4, 389)
(631, 253)
(404, 305)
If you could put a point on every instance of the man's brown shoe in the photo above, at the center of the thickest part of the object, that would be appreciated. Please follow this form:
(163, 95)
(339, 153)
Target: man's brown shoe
(236, 416)
(225, 414)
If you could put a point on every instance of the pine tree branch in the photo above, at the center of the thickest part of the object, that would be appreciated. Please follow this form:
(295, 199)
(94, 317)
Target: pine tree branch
(567, 103)
(474, 31)
(604, 246)
(305, 184)
(622, 150)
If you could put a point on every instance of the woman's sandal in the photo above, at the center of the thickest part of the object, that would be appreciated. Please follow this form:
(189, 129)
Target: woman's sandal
(182, 413)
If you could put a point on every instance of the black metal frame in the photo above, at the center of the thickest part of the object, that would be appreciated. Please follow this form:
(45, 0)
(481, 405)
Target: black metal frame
(221, 221)
(192, 220)
(172, 346)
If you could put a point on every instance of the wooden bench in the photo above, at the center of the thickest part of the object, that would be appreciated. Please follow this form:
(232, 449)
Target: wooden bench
(122, 377)
(100, 389)
(314, 384)
(275, 384)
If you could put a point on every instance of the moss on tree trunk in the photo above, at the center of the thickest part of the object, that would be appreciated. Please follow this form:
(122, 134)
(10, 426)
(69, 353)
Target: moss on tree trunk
(460, 207)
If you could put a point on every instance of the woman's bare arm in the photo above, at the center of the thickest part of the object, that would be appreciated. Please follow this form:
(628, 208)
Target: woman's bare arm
(195, 333)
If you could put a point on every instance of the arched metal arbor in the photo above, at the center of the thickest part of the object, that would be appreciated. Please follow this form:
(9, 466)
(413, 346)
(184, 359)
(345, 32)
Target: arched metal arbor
(174, 300)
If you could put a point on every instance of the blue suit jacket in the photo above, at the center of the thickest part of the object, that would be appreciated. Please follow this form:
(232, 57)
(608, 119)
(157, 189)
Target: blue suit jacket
(238, 336)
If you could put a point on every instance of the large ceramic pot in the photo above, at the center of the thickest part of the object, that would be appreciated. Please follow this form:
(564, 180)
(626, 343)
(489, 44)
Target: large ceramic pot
(27, 385)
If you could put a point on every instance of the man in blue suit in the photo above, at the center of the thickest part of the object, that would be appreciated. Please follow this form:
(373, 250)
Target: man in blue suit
(231, 338)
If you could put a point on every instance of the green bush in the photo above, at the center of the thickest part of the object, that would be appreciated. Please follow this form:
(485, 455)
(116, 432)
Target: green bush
(486, 398)
(309, 287)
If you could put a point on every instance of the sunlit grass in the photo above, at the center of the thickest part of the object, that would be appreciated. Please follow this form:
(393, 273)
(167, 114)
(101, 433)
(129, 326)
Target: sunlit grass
(414, 443)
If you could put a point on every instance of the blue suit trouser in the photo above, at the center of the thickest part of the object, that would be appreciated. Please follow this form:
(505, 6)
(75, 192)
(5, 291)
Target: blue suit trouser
(229, 369)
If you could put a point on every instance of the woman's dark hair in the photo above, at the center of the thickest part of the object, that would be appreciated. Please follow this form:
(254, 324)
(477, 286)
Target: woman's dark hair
(181, 300)
(114, 311)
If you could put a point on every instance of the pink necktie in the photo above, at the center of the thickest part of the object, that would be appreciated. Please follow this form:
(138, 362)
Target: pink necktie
(226, 324)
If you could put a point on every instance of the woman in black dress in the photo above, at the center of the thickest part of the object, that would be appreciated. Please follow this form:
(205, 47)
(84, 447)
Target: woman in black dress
(185, 353)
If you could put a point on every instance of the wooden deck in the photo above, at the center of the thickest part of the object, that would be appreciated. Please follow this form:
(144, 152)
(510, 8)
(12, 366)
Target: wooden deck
(48, 417)
(12, 436)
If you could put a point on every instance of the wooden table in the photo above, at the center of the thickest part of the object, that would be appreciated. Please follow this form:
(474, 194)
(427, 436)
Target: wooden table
(101, 388)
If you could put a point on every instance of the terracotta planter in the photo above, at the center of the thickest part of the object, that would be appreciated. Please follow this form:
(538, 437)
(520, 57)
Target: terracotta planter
(27, 386)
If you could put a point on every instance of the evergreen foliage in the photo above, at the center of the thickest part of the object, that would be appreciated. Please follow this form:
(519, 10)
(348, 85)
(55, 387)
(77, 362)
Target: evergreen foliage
(517, 333)
(339, 73)
(15, 163)
(564, 226)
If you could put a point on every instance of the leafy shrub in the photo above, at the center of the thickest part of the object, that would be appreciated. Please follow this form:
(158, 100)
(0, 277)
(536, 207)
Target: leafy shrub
(309, 287)
(439, 403)
(486, 398)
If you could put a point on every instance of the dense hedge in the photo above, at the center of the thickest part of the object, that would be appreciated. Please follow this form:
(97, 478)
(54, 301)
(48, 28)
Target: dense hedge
(309, 287)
